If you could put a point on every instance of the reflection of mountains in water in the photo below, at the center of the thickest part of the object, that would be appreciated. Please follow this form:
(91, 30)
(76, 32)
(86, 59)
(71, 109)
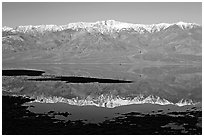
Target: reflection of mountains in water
(111, 102)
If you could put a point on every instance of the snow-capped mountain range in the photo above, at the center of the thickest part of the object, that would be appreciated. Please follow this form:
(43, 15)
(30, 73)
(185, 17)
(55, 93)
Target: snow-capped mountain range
(110, 101)
(101, 26)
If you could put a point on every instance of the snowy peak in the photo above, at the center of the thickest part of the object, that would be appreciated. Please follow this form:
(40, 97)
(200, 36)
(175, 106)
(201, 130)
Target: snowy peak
(185, 25)
(112, 25)
(39, 28)
(5, 28)
(107, 26)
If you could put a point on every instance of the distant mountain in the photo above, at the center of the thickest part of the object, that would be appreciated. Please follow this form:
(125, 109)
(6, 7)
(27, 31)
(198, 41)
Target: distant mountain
(83, 39)
(101, 26)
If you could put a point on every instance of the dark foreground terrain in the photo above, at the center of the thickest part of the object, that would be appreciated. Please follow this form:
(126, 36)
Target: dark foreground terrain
(17, 120)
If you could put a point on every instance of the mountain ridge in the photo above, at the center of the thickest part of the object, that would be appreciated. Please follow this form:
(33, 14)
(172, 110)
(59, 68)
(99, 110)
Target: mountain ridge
(102, 26)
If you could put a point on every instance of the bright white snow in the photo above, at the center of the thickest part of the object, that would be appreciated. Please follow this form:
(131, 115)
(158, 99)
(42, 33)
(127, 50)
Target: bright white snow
(102, 26)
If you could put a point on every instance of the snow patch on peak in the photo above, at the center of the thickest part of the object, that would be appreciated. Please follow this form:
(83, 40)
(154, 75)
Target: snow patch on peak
(5, 28)
(185, 25)
(38, 28)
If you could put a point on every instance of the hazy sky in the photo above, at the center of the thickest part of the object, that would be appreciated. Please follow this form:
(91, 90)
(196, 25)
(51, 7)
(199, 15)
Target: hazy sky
(15, 14)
